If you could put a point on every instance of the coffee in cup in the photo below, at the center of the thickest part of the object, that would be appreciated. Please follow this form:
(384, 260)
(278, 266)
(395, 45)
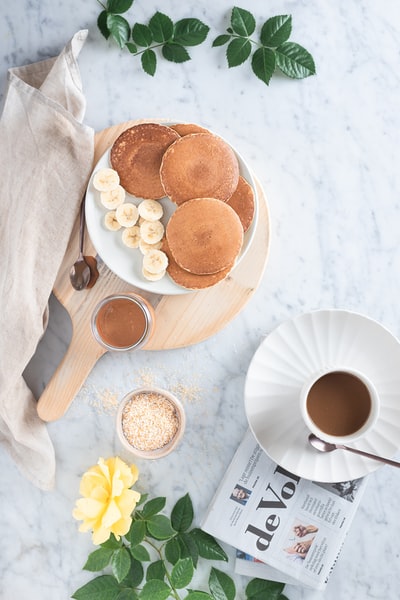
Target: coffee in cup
(339, 405)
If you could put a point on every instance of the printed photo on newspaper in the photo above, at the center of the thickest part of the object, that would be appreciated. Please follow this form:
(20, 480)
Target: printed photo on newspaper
(292, 527)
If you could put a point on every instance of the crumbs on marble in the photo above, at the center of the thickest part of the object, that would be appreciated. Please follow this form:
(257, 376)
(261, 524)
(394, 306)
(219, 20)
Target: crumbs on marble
(164, 377)
(103, 401)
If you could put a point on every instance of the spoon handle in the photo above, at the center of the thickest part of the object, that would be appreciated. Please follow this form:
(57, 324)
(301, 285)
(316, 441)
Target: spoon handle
(82, 226)
(387, 461)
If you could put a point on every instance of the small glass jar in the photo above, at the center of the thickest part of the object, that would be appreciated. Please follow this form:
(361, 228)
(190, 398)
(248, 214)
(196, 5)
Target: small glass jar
(122, 322)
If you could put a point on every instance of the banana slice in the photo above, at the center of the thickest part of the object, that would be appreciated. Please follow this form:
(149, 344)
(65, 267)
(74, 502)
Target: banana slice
(155, 261)
(151, 210)
(144, 247)
(105, 180)
(131, 236)
(113, 198)
(110, 221)
(153, 276)
(127, 214)
(151, 231)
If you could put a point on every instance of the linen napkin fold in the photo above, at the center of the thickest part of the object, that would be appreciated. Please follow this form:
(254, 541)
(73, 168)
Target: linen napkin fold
(46, 156)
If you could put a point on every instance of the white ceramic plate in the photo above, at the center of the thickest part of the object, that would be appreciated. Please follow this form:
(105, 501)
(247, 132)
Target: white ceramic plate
(126, 262)
(292, 353)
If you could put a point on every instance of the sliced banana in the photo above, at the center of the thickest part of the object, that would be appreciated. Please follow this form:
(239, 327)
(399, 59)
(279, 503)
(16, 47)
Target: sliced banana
(153, 276)
(113, 198)
(151, 231)
(155, 261)
(110, 221)
(131, 236)
(144, 247)
(127, 214)
(105, 180)
(151, 210)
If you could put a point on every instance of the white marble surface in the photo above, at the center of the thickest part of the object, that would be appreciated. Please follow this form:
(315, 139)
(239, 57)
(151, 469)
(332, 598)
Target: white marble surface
(326, 152)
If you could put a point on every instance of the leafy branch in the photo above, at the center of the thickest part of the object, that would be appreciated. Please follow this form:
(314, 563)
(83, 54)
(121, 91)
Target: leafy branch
(273, 50)
(171, 549)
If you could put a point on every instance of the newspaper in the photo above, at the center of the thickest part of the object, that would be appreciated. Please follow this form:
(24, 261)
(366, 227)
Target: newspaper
(294, 526)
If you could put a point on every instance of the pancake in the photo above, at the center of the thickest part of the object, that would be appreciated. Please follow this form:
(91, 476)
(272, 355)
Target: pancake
(188, 280)
(199, 165)
(242, 202)
(137, 154)
(187, 128)
(205, 235)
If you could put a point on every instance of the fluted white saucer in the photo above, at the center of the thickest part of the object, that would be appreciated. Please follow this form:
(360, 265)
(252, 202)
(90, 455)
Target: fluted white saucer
(285, 360)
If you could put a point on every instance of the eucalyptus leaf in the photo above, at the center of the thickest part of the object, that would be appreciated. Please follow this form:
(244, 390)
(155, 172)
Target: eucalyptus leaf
(221, 585)
(175, 52)
(140, 553)
(161, 27)
(120, 563)
(276, 30)
(294, 60)
(102, 24)
(208, 546)
(182, 573)
(188, 547)
(153, 507)
(119, 28)
(156, 570)
(182, 514)
(159, 527)
(221, 40)
(239, 50)
(136, 532)
(242, 21)
(190, 32)
(119, 6)
(259, 589)
(104, 587)
(142, 36)
(99, 559)
(172, 550)
(263, 63)
(155, 590)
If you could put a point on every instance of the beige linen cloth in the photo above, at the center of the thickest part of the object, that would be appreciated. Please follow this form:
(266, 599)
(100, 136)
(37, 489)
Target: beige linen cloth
(46, 156)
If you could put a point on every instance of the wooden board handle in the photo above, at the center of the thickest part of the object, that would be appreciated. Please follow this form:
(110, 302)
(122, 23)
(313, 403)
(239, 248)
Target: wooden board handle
(80, 358)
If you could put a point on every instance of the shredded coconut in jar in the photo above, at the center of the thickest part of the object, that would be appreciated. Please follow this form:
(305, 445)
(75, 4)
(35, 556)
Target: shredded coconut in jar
(149, 421)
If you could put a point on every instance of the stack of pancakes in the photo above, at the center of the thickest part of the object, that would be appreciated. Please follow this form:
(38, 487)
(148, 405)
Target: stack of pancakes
(199, 173)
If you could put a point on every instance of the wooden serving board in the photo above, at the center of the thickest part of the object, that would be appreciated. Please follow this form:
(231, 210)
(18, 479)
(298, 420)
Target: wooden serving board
(180, 320)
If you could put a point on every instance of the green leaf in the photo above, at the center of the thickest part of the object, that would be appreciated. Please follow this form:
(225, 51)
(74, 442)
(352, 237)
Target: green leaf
(104, 587)
(141, 35)
(182, 573)
(221, 585)
(208, 546)
(119, 29)
(221, 40)
(258, 589)
(161, 27)
(188, 547)
(127, 594)
(155, 590)
(112, 542)
(135, 574)
(159, 527)
(156, 570)
(102, 24)
(242, 21)
(140, 553)
(182, 514)
(175, 53)
(197, 595)
(238, 51)
(172, 550)
(120, 564)
(294, 60)
(131, 47)
(98, 559)
(153, 506)
(263, 63)
(190, 32)
(119, 6)
(136, 533)
(149, 61)
(143, 497)
(276, 30)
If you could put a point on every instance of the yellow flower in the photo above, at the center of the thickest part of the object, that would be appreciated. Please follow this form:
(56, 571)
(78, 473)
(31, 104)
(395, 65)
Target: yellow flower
(107, 502)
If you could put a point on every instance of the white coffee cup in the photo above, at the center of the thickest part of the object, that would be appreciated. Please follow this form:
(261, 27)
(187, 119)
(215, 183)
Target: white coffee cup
(339, 405)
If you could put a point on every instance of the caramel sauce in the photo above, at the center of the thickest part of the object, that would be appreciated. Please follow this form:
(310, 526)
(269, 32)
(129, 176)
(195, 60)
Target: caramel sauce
(339, 403)
(121, 323)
